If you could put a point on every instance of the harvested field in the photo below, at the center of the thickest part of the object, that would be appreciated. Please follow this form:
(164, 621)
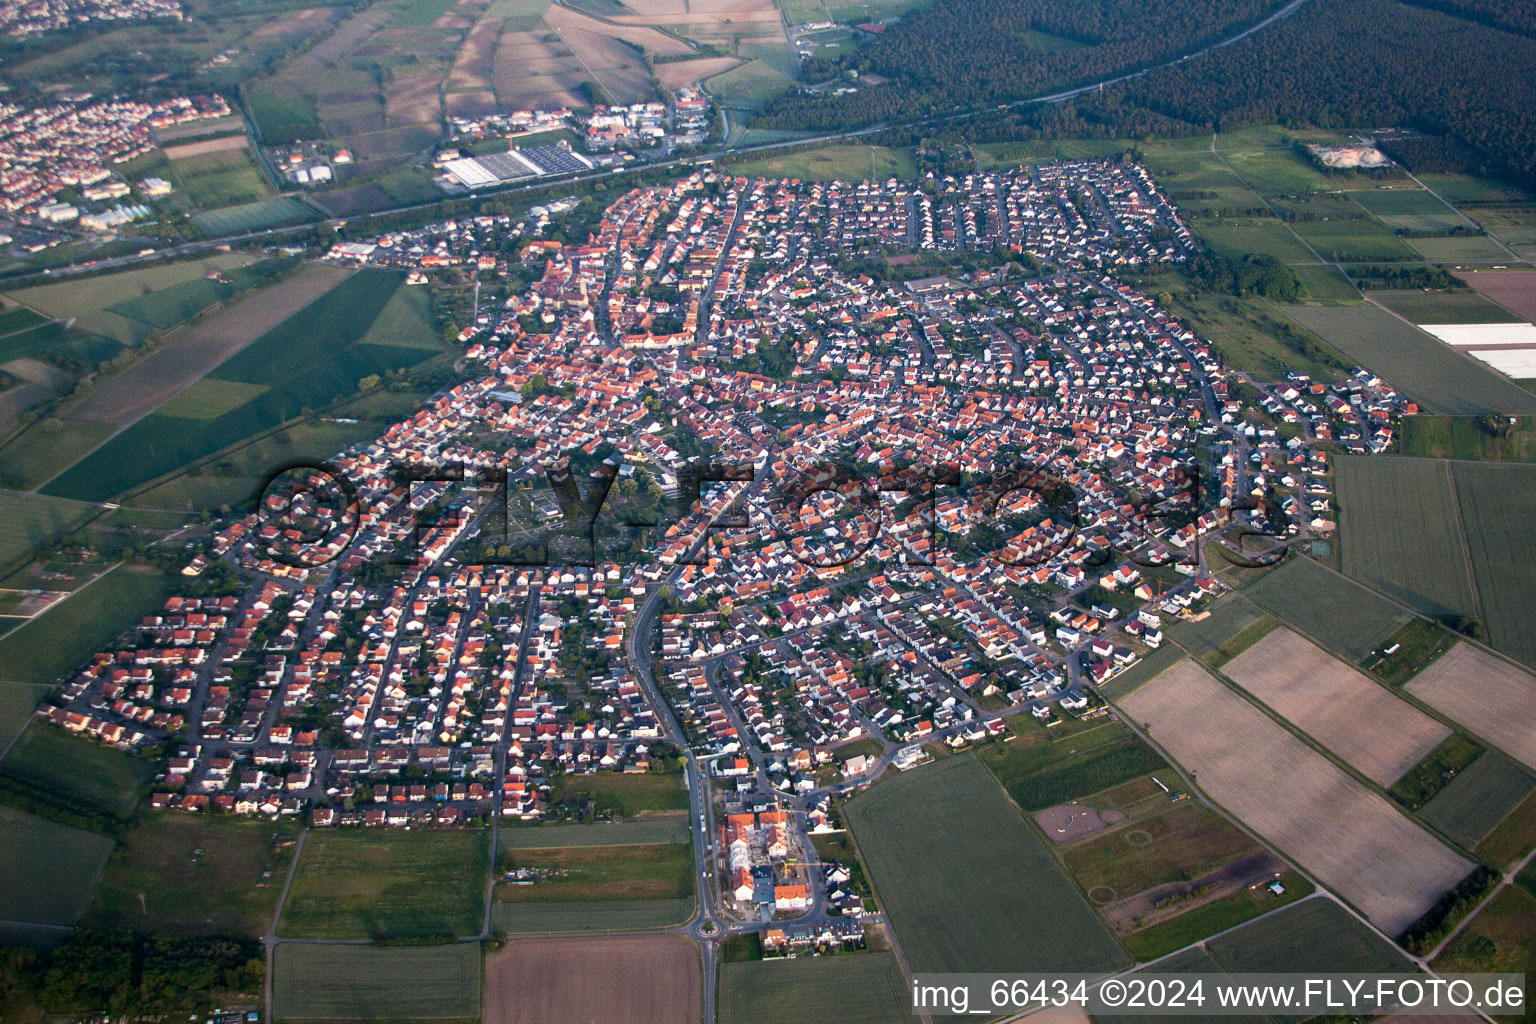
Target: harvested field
(534, 72)
(1333, 610)
(1073, 821)
(1352, 839)
(679, 74)
(1435, 375)
(1490, 697)
(471, 104)
(1512, 289)
(219, 145)
(137, 391)
(475, 66)
(376, 983)
(1361, 721)
(347, 37)
(649, 980)
(651, 40)
(414, 101)
(1480, 796)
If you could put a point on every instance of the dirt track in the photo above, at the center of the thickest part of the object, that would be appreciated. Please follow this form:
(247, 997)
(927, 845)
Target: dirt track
(639, 980)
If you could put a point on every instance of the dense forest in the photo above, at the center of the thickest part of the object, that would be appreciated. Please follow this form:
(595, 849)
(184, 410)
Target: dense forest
(1334, 63)
(967, 53)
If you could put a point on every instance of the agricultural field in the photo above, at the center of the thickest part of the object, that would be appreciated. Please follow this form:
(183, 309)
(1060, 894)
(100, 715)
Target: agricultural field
(1460, 249)
(1326, 285)
(1481, 795)
(622, 795)
(376, 982)
(913, 829)
(1495, 501)
(865, 988)
(1453, 437)
(1359, 720)
(1314, 935)
(217, 176)
(662, 827)
(368, 884)
(1512, 838)
(46, 869)
(77, 771)
(17, 700)
(1420, 784)
(1330, 609)
(1350, 838)
(1045, 767)
(1500, 938)
(1492, 699)
(35, 456)
(31, 521)
(1402, 533)
(257, 216)
(651, 871)
(650, 980)
(1423, 307)
(1352, 241)
(834, 163)
(1515, 290)
(590, 916)
(1417, 644)
(53, 644)
(190, 874)
(167, 307)
(1433, 374)
(1144, 671)
(305, 362)
(1229, 616)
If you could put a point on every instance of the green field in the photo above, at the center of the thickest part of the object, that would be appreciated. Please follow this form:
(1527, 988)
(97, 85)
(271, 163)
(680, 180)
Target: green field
(1424, 780)
(1045, 767)
(1329, 608)
(1314, 935)
(1250, 333)
(947, 854)
(1178, 845)
(652, 871)
(48, 760)
(376, 983)
(1452, 437)
(829, 163)
(1500, 938)
(651, 828)
(624, 795)
(864, 988)
(366, 884)
(1431, 373)
(1258, 236)
(84, 296)
(1229, 616)
(223, 178)
(590, 916)
(59, 344)
(52, 645)
(30, 521)
(1512, 838)
(1448, 538)
(281, 112)
(1400, 532)
(1423, 307)
(1480, 796)
(406, 321)
(1326, 285)
(37, 453)
(1144, 671)
(46, 869)
(1194, 961)
(257, 216)
(1455, 249)
(16, 703)
(192, 874)
(1418, 645)
(179, 303)
(208, 399)
(1214, 917)
(308, 361)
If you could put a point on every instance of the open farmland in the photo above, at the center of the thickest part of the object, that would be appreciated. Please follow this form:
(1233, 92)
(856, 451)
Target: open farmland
(1515, 290)
(623, 794)
(1422, 307)
(590, 916)
(46, 869)
(650, 980)
(834, 163)
(76, 771)
(1496, 500)
(306, 362)
(29, 521)
(16, 703)
(1362, 722)
(1480, 796)
(376, 983)
(359, 884)
(1353, 840)
(1314, 935)
(1042, 768)
(913, 830)
(53, 644)
(1435, 375)
(257, 216)
(1327, 607)
(136, 392)
(1402, 533)
(1500, 938)
(652, 828)
(652, 871)
(195, 874)
(1452, 437)
(867, 988)
(1491, 698)
(1228, 618)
